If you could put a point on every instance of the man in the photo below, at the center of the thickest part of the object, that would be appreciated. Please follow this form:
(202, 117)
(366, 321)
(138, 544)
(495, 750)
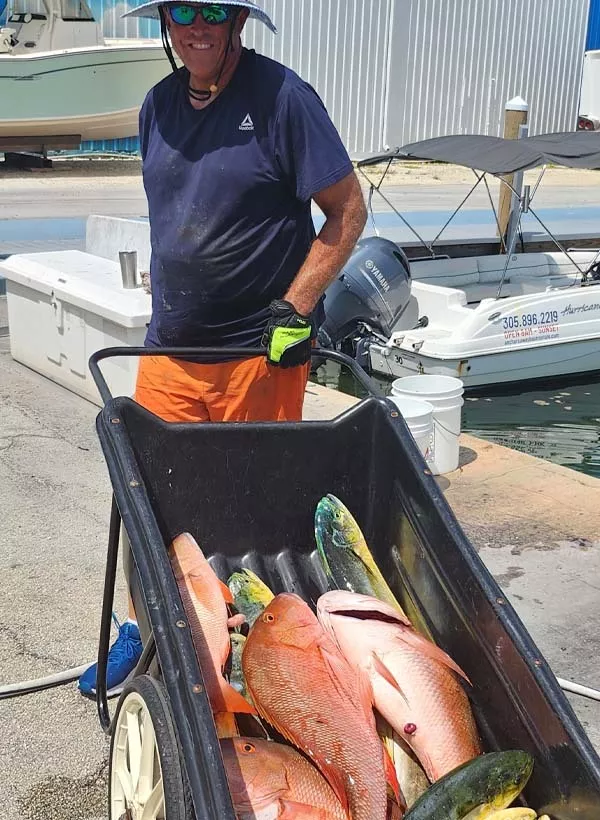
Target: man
(235, 146)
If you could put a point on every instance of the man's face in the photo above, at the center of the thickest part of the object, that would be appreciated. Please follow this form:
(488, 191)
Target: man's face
(201, 45)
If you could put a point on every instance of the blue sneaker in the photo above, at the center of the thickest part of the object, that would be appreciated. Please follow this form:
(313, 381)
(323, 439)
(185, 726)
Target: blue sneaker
(123, 656)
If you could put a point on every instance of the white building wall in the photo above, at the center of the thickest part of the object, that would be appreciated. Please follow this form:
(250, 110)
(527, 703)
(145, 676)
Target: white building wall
(455, 64)
(341, 47)
(395, 71)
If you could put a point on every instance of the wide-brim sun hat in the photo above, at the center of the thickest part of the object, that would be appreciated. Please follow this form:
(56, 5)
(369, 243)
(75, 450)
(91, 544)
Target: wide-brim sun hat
(151, 9)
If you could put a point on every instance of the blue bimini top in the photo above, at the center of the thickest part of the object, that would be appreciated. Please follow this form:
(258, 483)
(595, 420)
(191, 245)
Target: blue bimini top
(229, 190)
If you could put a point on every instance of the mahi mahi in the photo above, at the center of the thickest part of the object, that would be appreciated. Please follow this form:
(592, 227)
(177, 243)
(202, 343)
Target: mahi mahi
(344, 553)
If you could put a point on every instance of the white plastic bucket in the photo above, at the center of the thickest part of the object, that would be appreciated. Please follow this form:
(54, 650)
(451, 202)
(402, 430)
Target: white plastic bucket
(445, 393)
(418, 416)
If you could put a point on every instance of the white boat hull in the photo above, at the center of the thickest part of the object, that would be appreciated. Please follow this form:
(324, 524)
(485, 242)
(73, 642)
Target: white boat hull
(93, 92)
(506, 367)
(546, 326)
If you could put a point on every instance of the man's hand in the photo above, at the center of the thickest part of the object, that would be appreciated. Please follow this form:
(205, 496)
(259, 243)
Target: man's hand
(287, 335)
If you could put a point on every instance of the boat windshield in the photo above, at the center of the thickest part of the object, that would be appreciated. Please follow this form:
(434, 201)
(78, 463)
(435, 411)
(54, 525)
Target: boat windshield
(75, 10)
(36, 8)
(67, 9)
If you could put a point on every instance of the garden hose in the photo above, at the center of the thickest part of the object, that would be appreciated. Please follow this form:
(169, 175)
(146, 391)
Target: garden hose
(28, 687)
(578, 689)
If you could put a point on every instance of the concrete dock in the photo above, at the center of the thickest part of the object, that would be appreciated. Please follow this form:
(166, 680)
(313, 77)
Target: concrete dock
(535, 525)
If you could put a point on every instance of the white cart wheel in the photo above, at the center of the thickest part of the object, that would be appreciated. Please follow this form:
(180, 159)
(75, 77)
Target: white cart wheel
(146, 781)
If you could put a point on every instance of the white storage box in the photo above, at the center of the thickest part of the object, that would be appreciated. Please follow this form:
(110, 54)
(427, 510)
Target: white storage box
(65, 305)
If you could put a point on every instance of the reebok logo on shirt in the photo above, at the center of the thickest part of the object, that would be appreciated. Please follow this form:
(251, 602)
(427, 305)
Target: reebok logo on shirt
(247, 124)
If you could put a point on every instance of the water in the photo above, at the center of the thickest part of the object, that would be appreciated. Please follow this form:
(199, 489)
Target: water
(558, 424)
(64, 229)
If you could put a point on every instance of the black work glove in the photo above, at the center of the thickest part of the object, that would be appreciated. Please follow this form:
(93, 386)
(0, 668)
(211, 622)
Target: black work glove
(287, 335)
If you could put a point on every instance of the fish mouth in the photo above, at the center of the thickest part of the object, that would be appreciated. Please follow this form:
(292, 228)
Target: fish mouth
(366, 615)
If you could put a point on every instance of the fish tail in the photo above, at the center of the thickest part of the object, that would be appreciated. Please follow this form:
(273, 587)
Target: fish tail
(233, 701)
(392, 778)
(388, 742)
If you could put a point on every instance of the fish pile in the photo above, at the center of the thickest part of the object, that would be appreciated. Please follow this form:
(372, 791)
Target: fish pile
(343, 713)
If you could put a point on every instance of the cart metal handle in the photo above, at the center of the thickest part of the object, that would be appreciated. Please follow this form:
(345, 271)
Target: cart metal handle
(243, 352)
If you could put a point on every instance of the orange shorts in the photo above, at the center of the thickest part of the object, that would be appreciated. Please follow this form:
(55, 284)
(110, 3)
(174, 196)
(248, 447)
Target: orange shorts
(242, 390)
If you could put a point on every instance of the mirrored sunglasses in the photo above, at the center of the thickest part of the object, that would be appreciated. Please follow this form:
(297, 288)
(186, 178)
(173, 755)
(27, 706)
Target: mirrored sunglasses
(213, 13)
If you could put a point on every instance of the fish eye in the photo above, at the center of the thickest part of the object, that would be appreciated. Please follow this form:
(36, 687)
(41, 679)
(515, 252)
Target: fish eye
(268, 618)
(249, 747)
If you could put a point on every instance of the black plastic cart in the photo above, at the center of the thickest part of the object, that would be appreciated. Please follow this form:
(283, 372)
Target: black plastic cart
(247, 492)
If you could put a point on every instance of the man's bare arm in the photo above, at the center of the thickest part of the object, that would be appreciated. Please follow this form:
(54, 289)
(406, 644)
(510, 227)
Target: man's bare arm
(345, 216)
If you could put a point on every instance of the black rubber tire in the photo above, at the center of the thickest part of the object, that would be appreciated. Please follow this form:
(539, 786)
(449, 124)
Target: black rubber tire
(177, 800)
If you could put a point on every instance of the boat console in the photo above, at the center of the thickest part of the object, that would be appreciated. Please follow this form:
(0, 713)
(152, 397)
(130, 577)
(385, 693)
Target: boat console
(64, 24)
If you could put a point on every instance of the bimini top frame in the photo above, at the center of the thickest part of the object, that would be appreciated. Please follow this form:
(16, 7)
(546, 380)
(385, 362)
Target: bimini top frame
(495, 156)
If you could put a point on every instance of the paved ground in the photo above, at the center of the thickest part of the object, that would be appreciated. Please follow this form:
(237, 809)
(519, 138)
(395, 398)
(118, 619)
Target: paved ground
(536, 526)
(54, 510)
(114, 186)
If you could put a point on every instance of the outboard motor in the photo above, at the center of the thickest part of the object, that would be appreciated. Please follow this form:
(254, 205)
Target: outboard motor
(373, 289)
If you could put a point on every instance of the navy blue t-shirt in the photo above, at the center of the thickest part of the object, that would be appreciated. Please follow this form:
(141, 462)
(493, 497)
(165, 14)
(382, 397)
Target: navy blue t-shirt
(229, 190)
